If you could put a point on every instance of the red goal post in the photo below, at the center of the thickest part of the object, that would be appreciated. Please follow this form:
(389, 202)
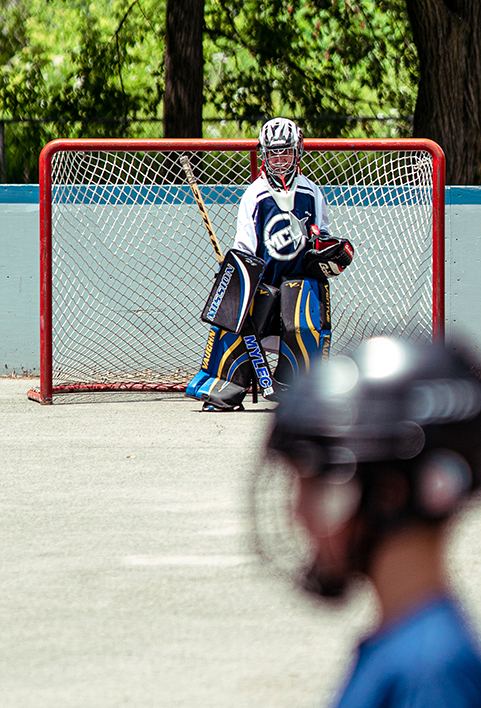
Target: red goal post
(125, 264)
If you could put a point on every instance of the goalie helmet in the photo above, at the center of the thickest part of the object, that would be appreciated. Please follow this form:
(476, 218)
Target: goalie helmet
(394, 416)
(281, 144)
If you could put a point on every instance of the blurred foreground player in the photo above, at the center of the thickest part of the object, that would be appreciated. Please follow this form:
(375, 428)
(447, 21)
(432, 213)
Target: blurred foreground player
(383, 447)
(283, 220)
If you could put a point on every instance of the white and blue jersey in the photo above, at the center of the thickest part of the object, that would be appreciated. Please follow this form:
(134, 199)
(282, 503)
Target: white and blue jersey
(280, 236)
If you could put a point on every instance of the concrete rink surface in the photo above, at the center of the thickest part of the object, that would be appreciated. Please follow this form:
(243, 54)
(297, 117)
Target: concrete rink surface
(128, 576)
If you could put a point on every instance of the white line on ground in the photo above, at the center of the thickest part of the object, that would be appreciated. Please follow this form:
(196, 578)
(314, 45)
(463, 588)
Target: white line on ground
(216, 561)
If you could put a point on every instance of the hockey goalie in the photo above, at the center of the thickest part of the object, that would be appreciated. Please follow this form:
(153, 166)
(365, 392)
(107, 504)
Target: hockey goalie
(283, 224)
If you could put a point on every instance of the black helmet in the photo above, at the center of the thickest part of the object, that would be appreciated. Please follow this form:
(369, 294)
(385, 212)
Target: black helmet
(392, 407)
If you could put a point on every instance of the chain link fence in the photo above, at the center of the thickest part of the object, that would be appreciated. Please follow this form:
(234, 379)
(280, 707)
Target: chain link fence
(21, 140)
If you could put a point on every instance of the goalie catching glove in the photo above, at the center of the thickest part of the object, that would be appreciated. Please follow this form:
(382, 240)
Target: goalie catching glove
(329, 257)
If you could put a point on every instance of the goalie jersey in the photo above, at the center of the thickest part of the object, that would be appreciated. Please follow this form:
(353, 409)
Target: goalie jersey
(276, 226)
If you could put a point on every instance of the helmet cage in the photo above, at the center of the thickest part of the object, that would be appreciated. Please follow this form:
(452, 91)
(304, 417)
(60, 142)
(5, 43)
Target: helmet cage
(281, 161)
(278, 137)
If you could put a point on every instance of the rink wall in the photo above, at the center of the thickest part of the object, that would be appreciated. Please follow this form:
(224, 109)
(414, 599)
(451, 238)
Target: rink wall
(19, 273)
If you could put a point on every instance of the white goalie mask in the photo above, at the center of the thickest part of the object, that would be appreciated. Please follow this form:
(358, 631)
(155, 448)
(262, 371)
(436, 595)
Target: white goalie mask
(281, 144)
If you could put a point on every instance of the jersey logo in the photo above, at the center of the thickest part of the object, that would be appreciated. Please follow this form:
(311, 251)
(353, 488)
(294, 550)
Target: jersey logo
(286, 241)
(296, 284)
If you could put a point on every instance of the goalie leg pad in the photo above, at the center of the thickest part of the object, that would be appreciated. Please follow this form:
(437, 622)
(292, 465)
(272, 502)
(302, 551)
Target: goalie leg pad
(265, 311)
(195, 384)
(305, 326)
(225, 362)
(224, 395)
(226, 359)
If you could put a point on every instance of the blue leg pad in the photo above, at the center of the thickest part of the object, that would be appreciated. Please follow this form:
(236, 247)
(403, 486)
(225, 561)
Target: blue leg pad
(195, 384)
(206, 386)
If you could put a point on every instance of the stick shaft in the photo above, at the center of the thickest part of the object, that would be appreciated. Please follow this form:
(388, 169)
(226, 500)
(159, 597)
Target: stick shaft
(184, 161)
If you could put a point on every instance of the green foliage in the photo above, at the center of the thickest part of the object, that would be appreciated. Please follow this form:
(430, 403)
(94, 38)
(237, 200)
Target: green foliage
(321, 59)
(95, 89)
(88, 68)
(13, 33)
(79, 69)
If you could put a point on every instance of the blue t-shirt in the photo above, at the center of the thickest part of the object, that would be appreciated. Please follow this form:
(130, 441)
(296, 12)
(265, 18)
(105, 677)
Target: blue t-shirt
(427, 659)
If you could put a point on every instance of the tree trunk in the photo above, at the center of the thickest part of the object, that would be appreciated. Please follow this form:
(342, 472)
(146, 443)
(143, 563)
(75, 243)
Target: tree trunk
(447, 34)
(184, 67)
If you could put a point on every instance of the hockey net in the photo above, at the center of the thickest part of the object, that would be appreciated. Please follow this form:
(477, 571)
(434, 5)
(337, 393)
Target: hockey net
(126, 264)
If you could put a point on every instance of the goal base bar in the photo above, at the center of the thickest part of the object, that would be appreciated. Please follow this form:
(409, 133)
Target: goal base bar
(35, 394)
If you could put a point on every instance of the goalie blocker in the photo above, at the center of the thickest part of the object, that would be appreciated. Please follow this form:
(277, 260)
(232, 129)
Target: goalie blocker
(233, 291)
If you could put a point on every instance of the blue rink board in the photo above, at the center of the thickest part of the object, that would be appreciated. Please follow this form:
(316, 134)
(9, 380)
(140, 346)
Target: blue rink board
(29, 194)
(228, 194)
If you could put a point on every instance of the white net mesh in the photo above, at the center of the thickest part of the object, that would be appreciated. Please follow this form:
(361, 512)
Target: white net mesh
(132, 264)
(383, 203)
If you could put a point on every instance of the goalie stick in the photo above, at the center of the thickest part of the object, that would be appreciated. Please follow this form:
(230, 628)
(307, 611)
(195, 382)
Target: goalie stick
(184, 161)
(253, 346)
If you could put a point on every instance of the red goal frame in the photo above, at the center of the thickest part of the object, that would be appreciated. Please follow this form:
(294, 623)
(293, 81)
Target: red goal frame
(47, 390)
